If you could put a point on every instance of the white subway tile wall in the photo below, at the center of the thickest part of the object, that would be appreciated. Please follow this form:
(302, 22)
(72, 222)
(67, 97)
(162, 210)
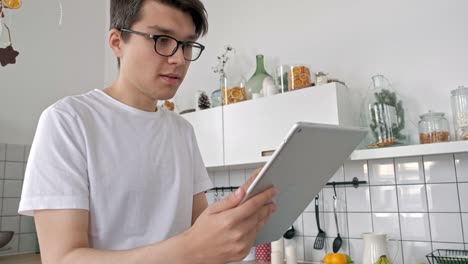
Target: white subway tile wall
(461, 165)
(12, 165)
(420, 202)
(409, 170)
(439, 168)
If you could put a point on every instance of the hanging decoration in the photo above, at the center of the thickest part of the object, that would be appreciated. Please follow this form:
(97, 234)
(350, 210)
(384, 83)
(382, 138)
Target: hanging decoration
(12, 4)
(61, 12)
(8, 55)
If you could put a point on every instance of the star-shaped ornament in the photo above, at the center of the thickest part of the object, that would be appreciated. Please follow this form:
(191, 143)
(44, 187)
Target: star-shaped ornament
(8, 55)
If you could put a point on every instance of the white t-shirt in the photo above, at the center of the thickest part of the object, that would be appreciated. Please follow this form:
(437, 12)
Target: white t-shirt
(135, 171)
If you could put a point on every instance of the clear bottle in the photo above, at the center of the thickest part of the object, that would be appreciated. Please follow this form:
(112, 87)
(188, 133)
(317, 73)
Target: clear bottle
(385, 114)
(255, 83)
(433, 127)
(216, 95)
(459, 101)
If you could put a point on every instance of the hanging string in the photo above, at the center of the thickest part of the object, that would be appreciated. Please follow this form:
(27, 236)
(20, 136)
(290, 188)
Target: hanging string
(1, 18)
(61, 12)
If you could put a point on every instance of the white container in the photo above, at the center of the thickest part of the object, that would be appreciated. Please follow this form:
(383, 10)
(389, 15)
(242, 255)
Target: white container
(375, 245)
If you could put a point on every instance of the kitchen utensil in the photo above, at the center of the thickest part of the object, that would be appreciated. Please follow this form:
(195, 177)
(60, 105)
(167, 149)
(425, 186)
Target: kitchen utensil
(320, 239)
(338, 241)
(290, 233)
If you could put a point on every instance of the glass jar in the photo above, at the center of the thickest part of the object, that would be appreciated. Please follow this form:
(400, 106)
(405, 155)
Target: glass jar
(385, 115)
(235, 92)
(321, 78)
(281, 78)
(433, 127)
(459, 101)
(255, 83)
(300, 76)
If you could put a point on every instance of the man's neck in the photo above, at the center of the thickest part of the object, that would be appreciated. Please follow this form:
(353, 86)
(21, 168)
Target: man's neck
(125, 93)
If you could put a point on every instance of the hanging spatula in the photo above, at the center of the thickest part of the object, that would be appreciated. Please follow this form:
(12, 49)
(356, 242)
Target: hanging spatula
(320, 240)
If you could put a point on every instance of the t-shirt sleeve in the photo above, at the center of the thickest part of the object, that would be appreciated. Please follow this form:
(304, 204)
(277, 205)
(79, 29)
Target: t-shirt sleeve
(56, 174)
(202, 181)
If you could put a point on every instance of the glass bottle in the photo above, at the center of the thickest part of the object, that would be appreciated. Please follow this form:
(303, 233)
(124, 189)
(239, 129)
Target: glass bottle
(459, 101)
(255, 83)
(433, 127)
(385, 114)
(216, 95)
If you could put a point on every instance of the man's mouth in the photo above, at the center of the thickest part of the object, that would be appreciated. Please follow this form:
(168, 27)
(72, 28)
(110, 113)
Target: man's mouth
(171, 78)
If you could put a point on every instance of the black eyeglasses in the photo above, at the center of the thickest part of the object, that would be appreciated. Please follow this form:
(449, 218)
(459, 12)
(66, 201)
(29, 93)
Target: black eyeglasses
(167, 46)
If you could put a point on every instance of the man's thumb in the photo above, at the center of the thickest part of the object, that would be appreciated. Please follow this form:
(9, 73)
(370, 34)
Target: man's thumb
(229, 202)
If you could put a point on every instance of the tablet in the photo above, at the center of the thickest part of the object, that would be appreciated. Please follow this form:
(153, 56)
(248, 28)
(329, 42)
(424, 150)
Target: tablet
(299, 168)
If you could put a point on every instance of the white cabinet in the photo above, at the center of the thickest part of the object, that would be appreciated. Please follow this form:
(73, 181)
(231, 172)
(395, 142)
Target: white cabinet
(253, 129)
(208, 126)
(248, 132)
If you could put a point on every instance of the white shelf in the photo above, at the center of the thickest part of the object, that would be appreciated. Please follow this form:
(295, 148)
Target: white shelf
(412, 150)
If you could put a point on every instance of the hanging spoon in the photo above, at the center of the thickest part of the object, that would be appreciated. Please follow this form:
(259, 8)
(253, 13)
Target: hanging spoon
(290, 233)
(338, 241)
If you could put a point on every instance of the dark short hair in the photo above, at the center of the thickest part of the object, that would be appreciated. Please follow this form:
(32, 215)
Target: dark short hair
(125, 13)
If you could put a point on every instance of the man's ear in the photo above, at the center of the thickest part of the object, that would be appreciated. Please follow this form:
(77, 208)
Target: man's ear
(115, 42)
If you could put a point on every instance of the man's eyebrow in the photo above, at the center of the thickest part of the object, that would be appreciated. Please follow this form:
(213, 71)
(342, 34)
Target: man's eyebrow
(166, 31)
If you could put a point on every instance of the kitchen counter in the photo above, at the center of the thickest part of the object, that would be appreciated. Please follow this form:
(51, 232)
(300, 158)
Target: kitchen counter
(21, 259)
(36, 259)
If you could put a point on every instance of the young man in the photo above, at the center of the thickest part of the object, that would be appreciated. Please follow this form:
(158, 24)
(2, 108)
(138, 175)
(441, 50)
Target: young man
(111, 180)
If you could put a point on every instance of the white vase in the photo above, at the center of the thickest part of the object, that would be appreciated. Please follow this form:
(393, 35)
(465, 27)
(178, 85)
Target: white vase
(375, 246)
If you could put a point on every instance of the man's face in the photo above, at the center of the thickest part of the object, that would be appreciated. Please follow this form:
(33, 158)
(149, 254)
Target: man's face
(156, 76)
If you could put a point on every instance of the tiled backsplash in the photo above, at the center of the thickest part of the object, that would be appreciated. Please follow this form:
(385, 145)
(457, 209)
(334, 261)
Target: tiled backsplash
(420, 202)
(12, 164)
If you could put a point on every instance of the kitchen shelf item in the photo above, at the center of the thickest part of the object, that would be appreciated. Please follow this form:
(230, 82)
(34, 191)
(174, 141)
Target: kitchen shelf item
(321, 78)
(448, 256)
(459, 101)
(433, 128)
(385, 114)
(338, 241)
(299, 77)
(320, 239)
(256, 82)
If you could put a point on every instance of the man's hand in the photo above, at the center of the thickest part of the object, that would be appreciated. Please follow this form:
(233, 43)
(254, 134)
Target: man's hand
(226, 230)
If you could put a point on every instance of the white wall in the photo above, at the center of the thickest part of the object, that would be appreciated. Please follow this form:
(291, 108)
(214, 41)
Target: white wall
(54, 61)
(420, 45)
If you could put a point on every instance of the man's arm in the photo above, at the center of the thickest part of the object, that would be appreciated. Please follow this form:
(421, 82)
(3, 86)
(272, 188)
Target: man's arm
(63, 235)
(199, 205)
(63, 238)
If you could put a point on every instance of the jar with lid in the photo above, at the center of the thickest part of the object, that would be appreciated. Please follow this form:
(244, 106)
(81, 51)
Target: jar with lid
(459, 101)
(321, 78)
(433, 127)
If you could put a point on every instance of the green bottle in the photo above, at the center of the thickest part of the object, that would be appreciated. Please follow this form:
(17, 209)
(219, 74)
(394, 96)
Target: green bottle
(255, 83)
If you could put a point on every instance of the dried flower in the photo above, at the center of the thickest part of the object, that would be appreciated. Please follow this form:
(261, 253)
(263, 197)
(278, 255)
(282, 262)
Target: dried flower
(222, 60)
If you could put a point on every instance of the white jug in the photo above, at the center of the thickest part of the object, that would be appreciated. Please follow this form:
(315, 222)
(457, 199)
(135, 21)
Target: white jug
(375, 245)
